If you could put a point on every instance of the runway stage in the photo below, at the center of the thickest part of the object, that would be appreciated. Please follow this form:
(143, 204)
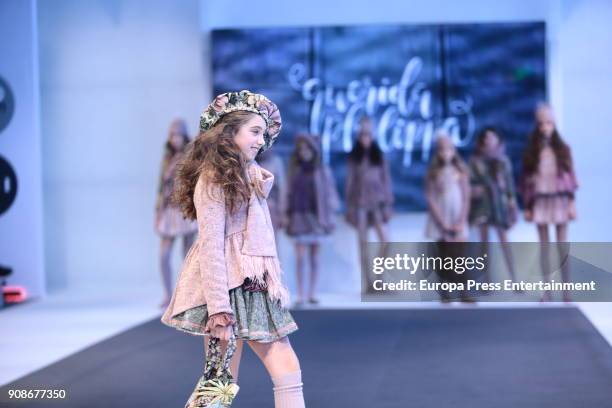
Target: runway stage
(438, 358)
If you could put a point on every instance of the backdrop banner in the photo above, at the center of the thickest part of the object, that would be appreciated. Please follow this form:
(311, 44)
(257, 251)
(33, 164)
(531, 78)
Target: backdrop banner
(411, 79)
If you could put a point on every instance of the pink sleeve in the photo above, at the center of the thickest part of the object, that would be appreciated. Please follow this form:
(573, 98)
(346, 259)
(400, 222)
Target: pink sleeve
(332, 192)
(219, 320)
(349, 180)
(210, 210)
(431, 203)
(388, 184)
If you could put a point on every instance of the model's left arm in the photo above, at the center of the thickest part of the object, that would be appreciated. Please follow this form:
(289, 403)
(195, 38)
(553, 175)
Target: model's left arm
(572, 169)
(388, 183)
(281, 179)
(332, 191)
(509, 174)
(465, 196)
(159, 202)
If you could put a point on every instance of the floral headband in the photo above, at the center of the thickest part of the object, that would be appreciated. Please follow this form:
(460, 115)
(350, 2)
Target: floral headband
(244, 101)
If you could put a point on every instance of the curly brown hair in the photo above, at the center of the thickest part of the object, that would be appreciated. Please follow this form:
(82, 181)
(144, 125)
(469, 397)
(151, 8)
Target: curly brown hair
(534, 147)
(215, 154)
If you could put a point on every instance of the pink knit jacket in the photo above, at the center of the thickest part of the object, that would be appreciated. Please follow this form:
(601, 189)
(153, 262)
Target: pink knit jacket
(229, 249)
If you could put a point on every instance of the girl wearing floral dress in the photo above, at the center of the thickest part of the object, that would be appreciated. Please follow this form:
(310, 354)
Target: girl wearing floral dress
(493, 203)
(447, 192)
(169, 221)
(548, 185)
(448, 198)
(230, 283)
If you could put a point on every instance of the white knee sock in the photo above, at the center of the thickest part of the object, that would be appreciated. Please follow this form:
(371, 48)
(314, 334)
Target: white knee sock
(288, 390)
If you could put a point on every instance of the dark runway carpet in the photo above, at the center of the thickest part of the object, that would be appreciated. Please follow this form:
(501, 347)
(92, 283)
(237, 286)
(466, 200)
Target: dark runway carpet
(476, 358)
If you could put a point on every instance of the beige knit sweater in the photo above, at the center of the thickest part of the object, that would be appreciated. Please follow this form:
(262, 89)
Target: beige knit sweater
(230, 248)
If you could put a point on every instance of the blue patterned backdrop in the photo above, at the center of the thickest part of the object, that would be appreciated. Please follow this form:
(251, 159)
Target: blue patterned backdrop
(412, 79)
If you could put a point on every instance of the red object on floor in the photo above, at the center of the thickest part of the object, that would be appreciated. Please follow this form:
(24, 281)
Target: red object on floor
(14, 294)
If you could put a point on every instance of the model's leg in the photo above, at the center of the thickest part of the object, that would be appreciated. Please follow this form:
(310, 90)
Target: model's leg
(454, 249)
(561, 232)
(444, 276)
(166, 272)
(545, 256)
(383, 238)
(503, 239)
(362, 240)
(484, 232)
(188, 240)
(382, 231)
(314, 272)
(283, 367)
(563, 248)
(300, 250)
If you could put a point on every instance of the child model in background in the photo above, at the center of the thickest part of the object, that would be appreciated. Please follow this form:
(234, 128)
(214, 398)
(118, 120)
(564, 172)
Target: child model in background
(493, 203)
(276, 199)
(169, 221)
(312, 200)
(368, 191)
(447, 189)
(548, 186)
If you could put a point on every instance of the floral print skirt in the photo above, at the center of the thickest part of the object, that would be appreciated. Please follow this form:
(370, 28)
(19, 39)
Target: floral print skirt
(257, 317)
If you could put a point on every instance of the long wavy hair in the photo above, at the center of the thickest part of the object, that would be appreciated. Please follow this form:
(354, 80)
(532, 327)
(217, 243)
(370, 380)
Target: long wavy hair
(535, 144)
(374, 153)
(169, 149)
(310, 141)
(437, 164)
(215, 154)
(358, 152)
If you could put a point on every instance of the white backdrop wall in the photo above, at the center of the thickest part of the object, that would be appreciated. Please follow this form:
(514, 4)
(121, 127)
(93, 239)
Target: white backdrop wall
(585, 60)
(114, 73)
(21, 226)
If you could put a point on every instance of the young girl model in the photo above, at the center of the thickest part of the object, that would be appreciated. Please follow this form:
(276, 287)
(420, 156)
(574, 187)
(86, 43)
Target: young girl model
(548, 185)
(447, 192)
(231, 283)
(169, 221)
(311, 203)
(493, 203)
(448, 197)
(368, 190)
